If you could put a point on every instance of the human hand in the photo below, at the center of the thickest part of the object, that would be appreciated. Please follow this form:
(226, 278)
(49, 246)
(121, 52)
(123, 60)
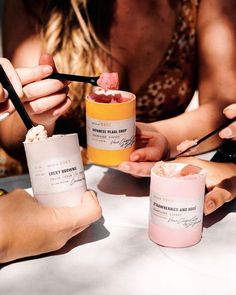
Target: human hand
(6, 106)
(44, 99)
(220, 181)
(230, 131)
(28, 228)
(151, 146)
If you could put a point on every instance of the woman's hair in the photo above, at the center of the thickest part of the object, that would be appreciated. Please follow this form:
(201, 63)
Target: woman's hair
(76, 33)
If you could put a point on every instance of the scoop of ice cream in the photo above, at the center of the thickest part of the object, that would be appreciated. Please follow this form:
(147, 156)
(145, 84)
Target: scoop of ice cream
(110, 98)
(183, 146)
(108, 81)
(37, 133)
(189, 170)
(164, 169)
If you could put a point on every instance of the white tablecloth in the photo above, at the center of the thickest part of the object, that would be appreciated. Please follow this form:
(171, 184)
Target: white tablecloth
(115, 257)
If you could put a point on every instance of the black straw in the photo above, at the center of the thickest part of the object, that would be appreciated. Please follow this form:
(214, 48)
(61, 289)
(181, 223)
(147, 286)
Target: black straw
(15, 99)
(207, 136)
(76, 78)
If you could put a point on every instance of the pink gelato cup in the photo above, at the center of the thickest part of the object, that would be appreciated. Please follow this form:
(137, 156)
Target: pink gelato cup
(176, 205)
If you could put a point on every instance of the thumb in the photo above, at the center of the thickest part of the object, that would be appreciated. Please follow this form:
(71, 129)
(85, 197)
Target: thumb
(220, 194)
(215, 199)
(230, 111)
(85, 213)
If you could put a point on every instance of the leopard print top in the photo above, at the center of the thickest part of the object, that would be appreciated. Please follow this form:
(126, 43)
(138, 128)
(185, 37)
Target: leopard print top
(170, 88)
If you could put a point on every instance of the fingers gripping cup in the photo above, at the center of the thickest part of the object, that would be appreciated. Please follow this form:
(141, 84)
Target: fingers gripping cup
(176, 204)
(110, 120)
(56, 170)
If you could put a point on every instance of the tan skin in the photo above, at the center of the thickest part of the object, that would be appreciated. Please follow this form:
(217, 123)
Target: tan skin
(33, 229)
(217, 87)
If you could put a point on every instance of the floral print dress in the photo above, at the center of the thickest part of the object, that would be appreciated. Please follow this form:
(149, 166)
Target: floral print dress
(170, 88)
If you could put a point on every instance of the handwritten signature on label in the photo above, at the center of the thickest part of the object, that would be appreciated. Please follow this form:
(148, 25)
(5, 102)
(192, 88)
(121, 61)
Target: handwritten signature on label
(125, 143)
(186, 222)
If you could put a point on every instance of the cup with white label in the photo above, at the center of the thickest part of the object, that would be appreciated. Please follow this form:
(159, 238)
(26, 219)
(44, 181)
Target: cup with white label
(110, 126)
(176, 204)
(56, 170)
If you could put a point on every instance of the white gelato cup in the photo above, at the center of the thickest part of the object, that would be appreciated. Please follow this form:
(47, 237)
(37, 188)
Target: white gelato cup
(56, 170)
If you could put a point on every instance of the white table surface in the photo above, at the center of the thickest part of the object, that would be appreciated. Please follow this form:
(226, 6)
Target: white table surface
(115, 256)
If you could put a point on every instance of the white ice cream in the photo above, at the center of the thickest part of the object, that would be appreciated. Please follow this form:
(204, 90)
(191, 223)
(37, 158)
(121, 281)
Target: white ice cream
(37, 133)
(164, 169)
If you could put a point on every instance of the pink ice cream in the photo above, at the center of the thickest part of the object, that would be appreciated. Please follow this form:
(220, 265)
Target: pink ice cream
(108, 81)
(190, 170)
(186, 144)
(166, 169)
(109, 98)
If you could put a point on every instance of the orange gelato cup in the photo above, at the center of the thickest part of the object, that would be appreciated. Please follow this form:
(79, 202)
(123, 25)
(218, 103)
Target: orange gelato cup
(110, 125)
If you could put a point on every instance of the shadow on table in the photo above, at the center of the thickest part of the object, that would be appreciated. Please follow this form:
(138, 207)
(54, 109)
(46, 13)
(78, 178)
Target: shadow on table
(219, 214)
(97, 231)
(119, 183)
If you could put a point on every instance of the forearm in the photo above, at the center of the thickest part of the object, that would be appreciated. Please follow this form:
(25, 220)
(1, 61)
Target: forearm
(192, 125)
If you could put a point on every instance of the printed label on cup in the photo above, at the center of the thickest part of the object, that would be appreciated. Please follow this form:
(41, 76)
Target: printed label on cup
(56, 175)
(183, 213)
(110, 135)
(110, 126)
(56, 170)
(176, 204)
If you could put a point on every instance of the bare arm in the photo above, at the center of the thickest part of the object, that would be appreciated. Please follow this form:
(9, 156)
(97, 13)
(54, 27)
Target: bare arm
(217, 75)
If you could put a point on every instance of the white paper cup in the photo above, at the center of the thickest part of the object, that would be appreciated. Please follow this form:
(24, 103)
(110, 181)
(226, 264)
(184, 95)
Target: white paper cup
(56, 170)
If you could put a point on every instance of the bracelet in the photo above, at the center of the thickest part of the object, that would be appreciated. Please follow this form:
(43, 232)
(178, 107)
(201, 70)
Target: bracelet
(226, 153)
(2, 192)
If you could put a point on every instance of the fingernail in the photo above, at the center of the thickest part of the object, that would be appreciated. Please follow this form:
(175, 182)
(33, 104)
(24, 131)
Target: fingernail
(4, 116)
(6, 94)
(47, 69)
(230, 110)
(124, 167)
(210, 207)
(226, 133)
(230, 107)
